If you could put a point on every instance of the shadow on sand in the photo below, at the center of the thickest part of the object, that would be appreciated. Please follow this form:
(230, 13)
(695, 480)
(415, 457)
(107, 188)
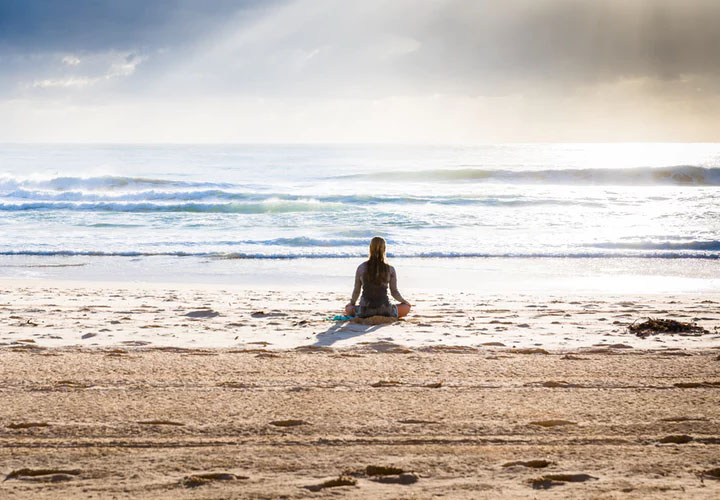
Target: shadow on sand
(342, 330)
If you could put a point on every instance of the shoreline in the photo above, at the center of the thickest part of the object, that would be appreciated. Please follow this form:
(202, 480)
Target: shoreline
(466, 274)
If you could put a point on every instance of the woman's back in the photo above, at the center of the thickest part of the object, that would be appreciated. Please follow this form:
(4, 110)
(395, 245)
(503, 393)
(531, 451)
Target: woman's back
(374, 284)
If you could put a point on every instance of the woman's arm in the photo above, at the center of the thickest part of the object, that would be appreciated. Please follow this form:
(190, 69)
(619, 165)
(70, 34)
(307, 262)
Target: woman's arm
(393, 287)
(358, 285)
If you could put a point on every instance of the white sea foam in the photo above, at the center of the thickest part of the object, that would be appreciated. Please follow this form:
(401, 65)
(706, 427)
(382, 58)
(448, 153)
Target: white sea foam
(96, 183)
(225, 203)
(361, 254)
(713, 246)
(267, 206)
(113, 201)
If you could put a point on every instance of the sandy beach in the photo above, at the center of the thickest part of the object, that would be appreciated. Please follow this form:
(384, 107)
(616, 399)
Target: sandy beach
(456, 423)
(93, 314)
(205, 392)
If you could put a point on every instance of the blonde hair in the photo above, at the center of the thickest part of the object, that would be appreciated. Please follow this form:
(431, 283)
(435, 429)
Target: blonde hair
(377, 249)
(378, 269)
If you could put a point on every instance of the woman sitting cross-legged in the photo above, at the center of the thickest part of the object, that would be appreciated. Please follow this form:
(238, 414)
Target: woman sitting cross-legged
(373, 277)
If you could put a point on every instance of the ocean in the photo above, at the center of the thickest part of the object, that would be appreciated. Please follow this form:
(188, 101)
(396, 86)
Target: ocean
(216, 212)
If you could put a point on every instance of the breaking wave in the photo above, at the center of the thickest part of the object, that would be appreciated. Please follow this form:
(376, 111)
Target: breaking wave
(362, 254)
(711, 246)
(264, 207)
(98, 183)
(219, 200)
(681, 175)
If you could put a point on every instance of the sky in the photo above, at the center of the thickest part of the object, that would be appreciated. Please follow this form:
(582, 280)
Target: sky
(365, 71)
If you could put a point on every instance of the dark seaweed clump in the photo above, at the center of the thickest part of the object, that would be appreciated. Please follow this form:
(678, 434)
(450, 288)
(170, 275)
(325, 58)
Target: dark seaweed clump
(654, 326)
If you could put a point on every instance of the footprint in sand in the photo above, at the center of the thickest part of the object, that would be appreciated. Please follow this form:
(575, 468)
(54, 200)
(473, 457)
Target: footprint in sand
(332, 483)
(553, 384)
(550, 480)
(72, 384)
(405, 478)
(288, 423)
(202, 313)
(711, 473)
(263, 314)
(386, 383)
(695, 385)
(43, 475)
(160, 422)
(677, 439)
(202, 479)
(533, 464)
(531, 350)
(27, 425)
(551, 423)
(390, 475)
(233, 385)
(683, 419)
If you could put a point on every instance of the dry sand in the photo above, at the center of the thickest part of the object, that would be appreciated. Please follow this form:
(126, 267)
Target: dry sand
(633, 418)
(54, 314)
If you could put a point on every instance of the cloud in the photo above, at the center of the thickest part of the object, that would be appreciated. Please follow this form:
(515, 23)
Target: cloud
(82, 81)
(378, 49)
(45, 43)
(96, 69)
(71, 60)
(497, 70)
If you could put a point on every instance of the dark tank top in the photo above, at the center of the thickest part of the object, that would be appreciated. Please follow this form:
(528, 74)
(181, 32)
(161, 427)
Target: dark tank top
(374, 294)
